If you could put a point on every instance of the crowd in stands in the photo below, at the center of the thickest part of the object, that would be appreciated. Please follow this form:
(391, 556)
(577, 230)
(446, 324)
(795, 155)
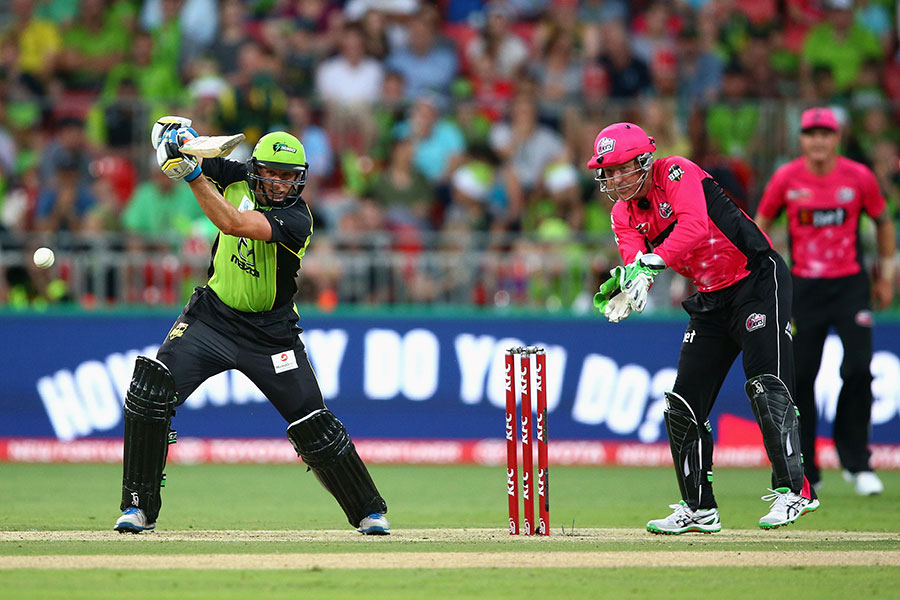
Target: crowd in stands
(450, 127)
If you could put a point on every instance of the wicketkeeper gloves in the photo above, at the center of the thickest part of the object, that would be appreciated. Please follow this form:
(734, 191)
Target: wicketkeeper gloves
(610, 300)
(638, 279)
(628, 287)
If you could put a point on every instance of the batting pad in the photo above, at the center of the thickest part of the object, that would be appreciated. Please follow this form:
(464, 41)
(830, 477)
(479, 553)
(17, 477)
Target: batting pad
(149, 406)
(321, 440)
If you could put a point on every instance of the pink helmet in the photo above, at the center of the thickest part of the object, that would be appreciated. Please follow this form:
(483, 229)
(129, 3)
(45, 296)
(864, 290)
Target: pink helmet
(618, 143)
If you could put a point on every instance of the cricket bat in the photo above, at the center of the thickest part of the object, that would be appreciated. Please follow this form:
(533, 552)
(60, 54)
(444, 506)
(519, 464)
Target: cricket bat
(212, 146)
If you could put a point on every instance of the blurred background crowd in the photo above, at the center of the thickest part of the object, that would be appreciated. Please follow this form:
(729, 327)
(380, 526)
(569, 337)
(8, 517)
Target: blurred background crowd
(446, 140)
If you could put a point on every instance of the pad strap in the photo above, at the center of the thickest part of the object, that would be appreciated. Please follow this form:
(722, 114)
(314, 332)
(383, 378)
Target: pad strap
(779, 421)
(321, 440)
(692, 448)
(149, 406)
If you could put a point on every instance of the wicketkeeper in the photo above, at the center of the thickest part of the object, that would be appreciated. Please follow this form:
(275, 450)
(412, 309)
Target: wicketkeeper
(244, 318)
(671, 213)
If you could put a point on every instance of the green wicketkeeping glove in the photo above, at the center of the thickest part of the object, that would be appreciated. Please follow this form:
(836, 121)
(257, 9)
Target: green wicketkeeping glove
(610, 300)
(608, 289)
(638, 279)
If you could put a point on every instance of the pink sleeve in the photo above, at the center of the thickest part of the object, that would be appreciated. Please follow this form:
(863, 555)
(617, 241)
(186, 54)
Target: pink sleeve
(629, 241)
(689, 206)
(772, 202)
(872, 199)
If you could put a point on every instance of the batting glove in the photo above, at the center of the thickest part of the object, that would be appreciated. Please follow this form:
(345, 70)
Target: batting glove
(175, 164)
(638, 279)
(164, 125)
(179, 135)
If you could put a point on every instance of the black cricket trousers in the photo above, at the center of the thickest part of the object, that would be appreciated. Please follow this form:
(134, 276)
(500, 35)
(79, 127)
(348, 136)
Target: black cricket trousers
(209, 338)
(752, 316)
(844, 304)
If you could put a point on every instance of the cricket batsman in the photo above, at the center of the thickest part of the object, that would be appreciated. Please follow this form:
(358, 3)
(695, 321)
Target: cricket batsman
(671, 213)
(244, 318)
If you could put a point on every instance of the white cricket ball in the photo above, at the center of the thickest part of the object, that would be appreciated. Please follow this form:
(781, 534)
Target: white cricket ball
(44, 257)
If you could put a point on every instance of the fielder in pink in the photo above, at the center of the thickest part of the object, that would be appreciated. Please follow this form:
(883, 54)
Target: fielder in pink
(825, 196)
(823, 214)
(670, 213)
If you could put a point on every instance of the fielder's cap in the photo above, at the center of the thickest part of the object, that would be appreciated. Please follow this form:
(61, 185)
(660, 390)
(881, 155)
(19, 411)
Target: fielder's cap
(818, 118)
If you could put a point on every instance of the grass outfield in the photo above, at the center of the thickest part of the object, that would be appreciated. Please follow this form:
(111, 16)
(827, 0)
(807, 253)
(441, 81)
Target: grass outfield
(246, 531)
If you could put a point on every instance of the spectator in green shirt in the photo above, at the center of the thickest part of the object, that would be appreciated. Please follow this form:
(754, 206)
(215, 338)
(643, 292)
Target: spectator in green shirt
(96, 41)
(156, 79)
(161, 213)
(733, 120)
(841, 43)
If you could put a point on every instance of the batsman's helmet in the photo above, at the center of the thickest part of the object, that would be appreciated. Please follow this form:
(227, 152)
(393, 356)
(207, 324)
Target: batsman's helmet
(283, 152)
(617, 144)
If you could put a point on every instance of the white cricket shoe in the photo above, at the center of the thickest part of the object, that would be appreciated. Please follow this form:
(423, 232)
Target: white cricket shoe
(374, 524)
(867, 483)
(685, 520)
(786, 507)
(133, 520)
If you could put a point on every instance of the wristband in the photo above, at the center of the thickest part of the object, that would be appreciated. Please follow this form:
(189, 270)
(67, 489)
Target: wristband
(197, 172)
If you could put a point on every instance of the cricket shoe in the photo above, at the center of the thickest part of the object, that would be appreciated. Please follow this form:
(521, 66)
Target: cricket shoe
(374, 524)
(866, 483)
(787, 506)
(685, 520)
(133, 520)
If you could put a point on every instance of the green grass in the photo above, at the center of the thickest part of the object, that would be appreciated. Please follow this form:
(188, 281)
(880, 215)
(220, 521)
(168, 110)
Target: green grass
(731, 583)
(691, 584)
(285, 497)
(279, 497)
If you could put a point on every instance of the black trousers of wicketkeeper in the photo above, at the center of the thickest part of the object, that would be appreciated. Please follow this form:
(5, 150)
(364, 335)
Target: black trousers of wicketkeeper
(752, 316)
(209, 338)
(843, 304)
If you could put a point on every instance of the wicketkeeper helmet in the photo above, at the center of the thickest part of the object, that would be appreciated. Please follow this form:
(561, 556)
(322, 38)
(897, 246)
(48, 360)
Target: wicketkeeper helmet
(617, 144)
